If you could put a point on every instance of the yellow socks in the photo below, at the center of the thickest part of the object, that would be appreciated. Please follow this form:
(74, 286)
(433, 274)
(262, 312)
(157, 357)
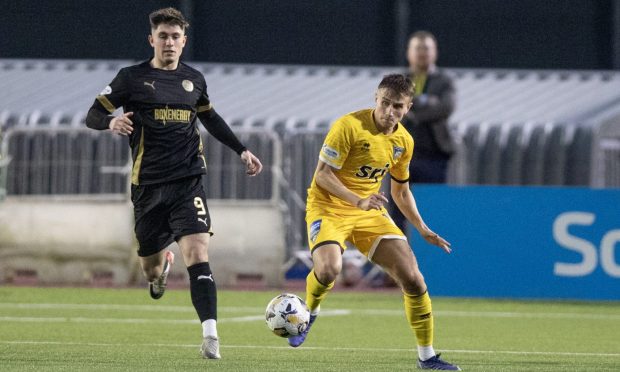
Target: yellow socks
(420, 317)
(315, 291)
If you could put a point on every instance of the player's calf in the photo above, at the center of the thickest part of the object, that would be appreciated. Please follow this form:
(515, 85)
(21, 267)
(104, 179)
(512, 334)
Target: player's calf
(158, 286)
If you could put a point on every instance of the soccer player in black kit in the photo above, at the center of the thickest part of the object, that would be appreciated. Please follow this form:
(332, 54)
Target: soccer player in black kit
(161, 99)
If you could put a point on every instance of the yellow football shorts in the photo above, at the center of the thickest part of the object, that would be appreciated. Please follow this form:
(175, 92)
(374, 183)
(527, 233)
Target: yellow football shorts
(364, 229)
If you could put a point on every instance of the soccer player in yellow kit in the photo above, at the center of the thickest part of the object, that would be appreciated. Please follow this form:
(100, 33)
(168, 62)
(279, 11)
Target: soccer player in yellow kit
(344, 203)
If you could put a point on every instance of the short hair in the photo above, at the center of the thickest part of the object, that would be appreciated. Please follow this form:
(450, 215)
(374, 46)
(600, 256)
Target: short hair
(422, 34)
(169, 16)
(398, 83)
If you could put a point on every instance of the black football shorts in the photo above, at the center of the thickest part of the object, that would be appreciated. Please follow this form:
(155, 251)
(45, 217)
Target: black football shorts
(168, 211)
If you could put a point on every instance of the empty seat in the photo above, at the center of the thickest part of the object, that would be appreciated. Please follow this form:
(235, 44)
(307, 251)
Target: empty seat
(555, 155)
(579, 157)
(532, 171)
(489, 160)
(512, 156)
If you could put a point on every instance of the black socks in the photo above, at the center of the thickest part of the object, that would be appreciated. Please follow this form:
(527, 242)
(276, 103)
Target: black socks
(203, 291)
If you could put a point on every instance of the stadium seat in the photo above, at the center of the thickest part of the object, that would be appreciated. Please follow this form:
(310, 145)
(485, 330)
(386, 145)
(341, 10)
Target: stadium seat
(534, 154)
(579, 157)
(489, 161)
(555, 155)
(512, 156)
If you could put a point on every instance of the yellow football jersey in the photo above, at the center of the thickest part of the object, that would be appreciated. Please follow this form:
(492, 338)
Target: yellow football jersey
(362, 156)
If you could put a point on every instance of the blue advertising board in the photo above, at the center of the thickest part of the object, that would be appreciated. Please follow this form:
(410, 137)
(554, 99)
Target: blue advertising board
(521, 242)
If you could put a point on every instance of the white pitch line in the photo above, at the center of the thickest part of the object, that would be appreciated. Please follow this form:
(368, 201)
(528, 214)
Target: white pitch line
(154, 308)
(95, 320)
(383, 312)
(250, 318)
(319, 348)
(498, 314)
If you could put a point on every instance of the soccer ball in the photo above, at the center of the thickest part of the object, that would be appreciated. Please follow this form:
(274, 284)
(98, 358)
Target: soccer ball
(287, 315)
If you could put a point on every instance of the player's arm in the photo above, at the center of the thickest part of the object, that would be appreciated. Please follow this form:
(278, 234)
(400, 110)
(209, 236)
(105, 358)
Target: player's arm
(402, 196)
(327, 180)
(99, 119)
(100, 116)
(217, 127)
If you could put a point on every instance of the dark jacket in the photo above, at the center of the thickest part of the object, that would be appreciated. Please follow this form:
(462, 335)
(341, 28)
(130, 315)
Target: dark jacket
(427, 121)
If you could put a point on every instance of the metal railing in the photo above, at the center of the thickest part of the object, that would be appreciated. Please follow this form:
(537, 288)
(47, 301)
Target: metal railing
(80, 161)
(65, 160)
(607, 171)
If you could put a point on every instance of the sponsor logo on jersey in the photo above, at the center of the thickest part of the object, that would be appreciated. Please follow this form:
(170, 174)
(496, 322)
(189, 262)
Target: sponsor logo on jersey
(177, 115)
(152, 85)
(106, 90)
(370, 172)
(365, 146)
(187, 85)
(397, 151)
(315, 227)
(330, 152)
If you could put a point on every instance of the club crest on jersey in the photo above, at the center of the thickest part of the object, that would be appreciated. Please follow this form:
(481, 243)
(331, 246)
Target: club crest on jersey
(106, 90)
(315, 227)
(187, 85)
(330, 152)
(397, 151)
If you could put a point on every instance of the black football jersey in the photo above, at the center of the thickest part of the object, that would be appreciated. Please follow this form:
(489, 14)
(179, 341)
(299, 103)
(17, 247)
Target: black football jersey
(165, 142)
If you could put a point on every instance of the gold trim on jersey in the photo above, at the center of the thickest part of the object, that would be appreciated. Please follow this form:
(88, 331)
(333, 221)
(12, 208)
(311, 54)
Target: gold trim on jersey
(200, 148)
(106, 103)
(135, 172)
(204, 108)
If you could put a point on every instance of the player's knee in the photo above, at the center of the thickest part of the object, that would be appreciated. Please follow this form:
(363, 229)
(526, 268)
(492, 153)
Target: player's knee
(194, 249)
(413, 283)
(328, 273)
(197, 255)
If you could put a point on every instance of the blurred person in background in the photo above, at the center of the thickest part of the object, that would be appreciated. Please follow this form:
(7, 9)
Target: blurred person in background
(427, 121)
(161, 100)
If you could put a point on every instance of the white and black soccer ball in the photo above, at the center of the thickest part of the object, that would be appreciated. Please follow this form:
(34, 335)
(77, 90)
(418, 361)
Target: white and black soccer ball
(287, 315)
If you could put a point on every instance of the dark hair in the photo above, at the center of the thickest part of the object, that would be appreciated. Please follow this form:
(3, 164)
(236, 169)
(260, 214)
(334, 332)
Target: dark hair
(169, 16)
(398, 83)
(423, 35)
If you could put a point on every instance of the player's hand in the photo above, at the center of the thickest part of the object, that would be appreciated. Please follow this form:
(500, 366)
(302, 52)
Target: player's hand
(122, 124)
(435, 239)
(374, 201)
(253, 166)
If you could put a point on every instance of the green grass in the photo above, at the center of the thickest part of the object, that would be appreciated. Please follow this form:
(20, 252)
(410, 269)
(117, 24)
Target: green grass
(80, 329)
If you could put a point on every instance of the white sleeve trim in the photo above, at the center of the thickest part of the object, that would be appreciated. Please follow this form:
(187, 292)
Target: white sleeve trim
(329, 162)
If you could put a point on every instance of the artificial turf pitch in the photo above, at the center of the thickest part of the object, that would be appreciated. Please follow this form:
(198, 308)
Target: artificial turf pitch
(83, 329)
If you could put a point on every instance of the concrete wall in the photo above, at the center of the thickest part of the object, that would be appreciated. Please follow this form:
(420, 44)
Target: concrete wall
(79, 241)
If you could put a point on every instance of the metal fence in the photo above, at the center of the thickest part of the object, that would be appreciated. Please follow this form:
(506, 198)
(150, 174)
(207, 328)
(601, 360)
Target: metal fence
(66, 160)
(70, 161)
(610, 149)
(523, 153)
(606, 169)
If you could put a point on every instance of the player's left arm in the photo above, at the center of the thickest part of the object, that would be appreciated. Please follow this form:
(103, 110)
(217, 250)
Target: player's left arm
(218, 128)
(328, 181)
(403, 197)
